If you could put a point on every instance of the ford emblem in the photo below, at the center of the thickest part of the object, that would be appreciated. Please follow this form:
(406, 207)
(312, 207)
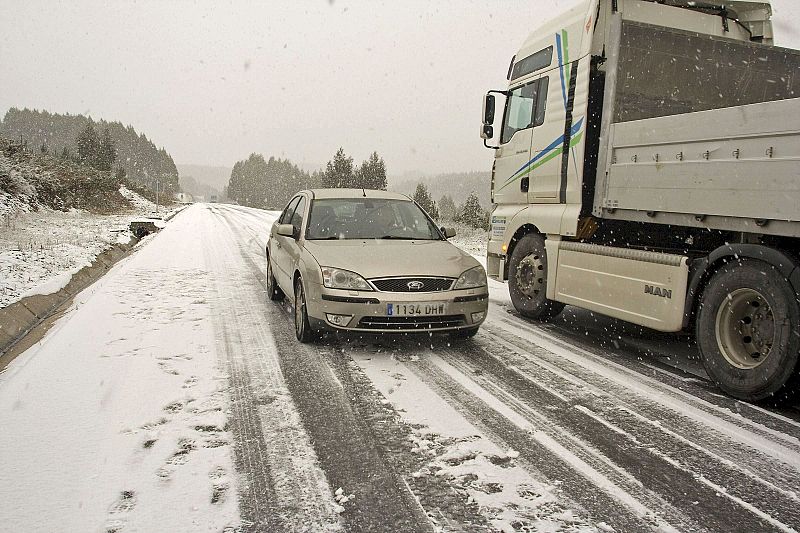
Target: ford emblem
(415, 285)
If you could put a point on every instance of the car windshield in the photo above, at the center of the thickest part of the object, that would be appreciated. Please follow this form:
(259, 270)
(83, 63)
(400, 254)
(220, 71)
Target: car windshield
(369, 218)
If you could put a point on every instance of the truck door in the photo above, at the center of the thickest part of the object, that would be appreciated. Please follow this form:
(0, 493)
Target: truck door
(511, 181)
(516, 164)
(546, 147)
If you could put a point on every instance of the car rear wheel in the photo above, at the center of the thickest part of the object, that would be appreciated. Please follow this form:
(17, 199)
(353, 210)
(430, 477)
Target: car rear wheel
(302, 327)
(748, 332)
(527, 279)
(273, 291)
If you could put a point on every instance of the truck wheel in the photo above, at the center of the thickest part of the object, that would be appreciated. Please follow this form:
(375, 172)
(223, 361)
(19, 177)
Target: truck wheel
(527, 283)
(748, 331)
(273, 291)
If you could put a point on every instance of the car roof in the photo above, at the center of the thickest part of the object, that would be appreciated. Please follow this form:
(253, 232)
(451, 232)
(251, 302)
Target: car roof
(322, 194)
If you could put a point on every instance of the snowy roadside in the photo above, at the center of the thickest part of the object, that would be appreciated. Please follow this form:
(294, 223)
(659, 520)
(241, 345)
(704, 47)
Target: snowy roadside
(471, 240)
(41, 250)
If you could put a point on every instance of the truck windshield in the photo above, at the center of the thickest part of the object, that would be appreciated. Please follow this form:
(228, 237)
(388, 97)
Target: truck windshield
(369, 218)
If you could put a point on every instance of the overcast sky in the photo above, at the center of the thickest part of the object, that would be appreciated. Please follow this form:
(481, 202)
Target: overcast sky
(213, 82)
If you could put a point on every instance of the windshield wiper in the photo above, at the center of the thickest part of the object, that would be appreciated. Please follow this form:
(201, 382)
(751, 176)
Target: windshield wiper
(331, 238)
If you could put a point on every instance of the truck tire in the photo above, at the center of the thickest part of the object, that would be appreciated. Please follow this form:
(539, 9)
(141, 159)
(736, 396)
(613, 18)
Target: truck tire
(748, 331)
(527, 279)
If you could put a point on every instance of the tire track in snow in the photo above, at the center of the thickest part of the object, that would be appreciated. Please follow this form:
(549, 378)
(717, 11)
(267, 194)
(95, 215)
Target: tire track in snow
(284, 488)
(507, 427)
(657, 461)
(343, 444)
(751, 480)
(642, 356)
(606, 377)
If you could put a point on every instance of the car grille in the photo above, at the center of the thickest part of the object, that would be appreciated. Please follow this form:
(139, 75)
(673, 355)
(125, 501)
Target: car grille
(402, 284)
(412, 323)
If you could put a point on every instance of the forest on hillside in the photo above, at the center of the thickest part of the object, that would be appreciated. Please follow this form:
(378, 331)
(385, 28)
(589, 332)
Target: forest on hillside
(456, 185)
(270, 183)
(58, 134)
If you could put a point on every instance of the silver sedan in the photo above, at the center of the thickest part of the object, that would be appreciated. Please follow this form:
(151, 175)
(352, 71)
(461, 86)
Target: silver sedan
(371, 261)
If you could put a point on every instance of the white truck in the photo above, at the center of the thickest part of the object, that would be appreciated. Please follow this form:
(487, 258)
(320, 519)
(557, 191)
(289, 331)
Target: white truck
(647, 167)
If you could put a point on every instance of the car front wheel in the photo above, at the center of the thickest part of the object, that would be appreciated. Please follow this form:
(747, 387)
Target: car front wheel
(302, 328)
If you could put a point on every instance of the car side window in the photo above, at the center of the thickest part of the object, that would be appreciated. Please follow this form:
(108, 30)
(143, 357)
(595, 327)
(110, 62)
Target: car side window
(525, 108)
(286, 216)
(297, 216)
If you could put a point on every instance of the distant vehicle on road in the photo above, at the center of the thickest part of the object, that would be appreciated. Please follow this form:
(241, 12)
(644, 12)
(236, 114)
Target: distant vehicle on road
(213, 198)
(371, 261)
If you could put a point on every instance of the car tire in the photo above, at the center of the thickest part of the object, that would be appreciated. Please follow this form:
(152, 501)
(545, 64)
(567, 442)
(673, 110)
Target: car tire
(302, 327)
(467, 333)
(273, 291)
(527, 279)
(748, 332)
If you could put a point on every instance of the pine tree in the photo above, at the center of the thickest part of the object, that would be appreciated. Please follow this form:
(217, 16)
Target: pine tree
(447, 207)
(372, 173)
(107, 153)
(472, 214)
(423, 198)
(88, 145)
(339, 172)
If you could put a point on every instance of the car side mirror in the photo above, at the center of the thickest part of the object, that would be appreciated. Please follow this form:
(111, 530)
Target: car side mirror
(449, 232)
(285, 230)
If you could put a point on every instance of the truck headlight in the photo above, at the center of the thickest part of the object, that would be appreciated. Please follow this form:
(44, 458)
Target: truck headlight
(337, 278)
(471, 279)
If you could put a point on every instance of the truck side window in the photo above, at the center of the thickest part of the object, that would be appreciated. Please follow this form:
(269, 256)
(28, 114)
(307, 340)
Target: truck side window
(522, 108)
(541, 101)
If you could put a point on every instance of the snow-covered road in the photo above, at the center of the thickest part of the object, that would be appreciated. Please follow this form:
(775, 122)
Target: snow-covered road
(174, 397)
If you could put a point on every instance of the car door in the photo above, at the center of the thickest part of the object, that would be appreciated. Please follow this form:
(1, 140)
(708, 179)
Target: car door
(511, 180)
(293, 245)
(278, 252)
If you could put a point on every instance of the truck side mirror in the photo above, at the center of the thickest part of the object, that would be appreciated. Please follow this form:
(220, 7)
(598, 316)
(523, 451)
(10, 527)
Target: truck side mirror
(488, 109)
(487, 131)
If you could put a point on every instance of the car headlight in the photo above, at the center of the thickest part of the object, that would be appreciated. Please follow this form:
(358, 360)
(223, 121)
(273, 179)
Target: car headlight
(337, 278)
(471, 279)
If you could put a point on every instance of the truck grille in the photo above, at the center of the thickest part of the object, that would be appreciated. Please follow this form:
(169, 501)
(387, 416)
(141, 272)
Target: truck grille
(412, 323)
(406, 284)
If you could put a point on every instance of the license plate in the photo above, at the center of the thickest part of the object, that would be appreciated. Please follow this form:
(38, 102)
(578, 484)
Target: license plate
(416, 309)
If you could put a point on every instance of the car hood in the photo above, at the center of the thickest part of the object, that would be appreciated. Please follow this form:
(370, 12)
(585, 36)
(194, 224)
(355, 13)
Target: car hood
(387, 258)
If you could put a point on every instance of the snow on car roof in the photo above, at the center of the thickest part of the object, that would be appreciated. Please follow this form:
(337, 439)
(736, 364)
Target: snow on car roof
(356, 193)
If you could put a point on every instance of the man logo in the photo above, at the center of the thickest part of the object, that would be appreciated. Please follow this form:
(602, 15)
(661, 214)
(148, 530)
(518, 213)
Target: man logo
(658, 291)
(415, 285)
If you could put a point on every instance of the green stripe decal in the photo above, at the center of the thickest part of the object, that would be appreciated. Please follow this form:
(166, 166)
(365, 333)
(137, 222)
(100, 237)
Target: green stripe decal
(575, 140)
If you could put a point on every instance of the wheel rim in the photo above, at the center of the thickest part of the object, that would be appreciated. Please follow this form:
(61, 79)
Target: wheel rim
(299, 306)
(745, 328)
(530, 275)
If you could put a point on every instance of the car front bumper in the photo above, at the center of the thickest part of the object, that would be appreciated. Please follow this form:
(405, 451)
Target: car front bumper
(464, 309)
